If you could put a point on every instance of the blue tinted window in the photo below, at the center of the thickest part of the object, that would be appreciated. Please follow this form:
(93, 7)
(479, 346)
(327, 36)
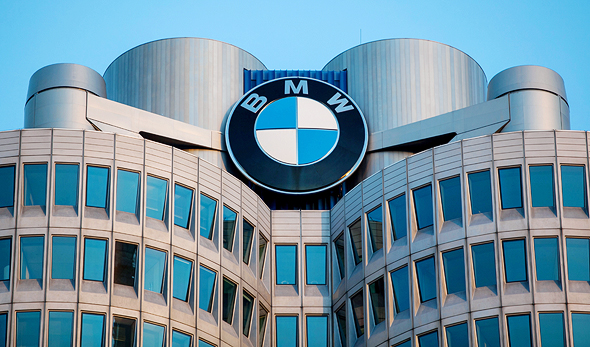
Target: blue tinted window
(262, 317)
(60, 329)
(423, 206)
(286, 263)
(428, 340)
(315, 264)
(205, 344)
(156, 193)
(339, 246)
(454, 265)
(180, 339)
(63, 261)
(127, 191)
(510, 187)
(547, 259)
(578, 259)
(401, 293)
(426, 279)
(487, 333)
(183, 201)
(317, 331)
(480, 192)
(125, 264)
(542, 186)
(358, 312)
(31, 258)
(92, 330)
(407, 343)
(341, 321)
(356, 238)
(153, 335)
(183, 270)
(207, 218)
(262, 243)
(155, 269)
(515, 261)
(287, 331)
(457, 335)
(66, 184)
(229, 300)
(35, 184)
(581, 333)
(229, 228)
(3, 329)
(123, 332)
(248, 232)
(5, 254)
(247, 308)
(551, 327)
(377, 296)
(28, 329)
(519, 330)
(397, 212)
(484, 265)
(450, 197)
(573, 186)
(375, 224)
(7, 186)
(97, 186)
(206, 288)
(94, 259)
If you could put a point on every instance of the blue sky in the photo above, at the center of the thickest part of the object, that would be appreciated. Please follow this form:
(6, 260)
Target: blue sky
(300, 34)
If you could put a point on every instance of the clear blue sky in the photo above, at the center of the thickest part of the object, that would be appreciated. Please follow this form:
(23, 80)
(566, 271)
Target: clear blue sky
(300, 34)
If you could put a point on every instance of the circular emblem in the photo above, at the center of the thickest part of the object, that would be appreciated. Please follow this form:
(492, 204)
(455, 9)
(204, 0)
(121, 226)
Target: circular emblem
(296, 135)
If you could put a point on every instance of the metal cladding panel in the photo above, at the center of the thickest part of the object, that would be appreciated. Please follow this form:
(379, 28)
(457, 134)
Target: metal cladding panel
(353, 204)
(534, 110)
(129, 149)
(263, 216)
(210, 176)
(158, 156)
(315, 223)
(66, 75)
(286, 223)
(249, 203)
(372, 188)
(539, 144)
(231, 189)
(394, 177)
(526, 77)
(99, 145)
(420, 166)
(571, 144)
(185, 165)
(508, 146)
(36, 142)
(477, 150)
(252, 78)
(9, 143)
(447, 157)
(68, 142)
(337, 217)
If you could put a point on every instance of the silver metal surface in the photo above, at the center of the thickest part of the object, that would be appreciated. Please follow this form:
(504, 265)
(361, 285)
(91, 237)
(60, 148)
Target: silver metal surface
(67, 75)
(526, 77)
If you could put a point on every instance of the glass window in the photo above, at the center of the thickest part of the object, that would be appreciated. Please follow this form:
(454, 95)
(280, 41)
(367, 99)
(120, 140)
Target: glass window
(66, 184)
(341, 321)
(183, 201)
(426, 279)
(287, 331)
(248, 231)
(183, 270)
(510, 188)
(356, 238)
(181, 339)
(286, 263)
(423, 206)
(377, 296)
(450, 197)
(208, 207)
(262, 318)
(428, 340)
(358, 311)
(578, 259)
(542, 185)
(205, 344)
(5, 255)
(28, 328)
(60, 329)
(457, 335)
(484, 265)
(262, 243)
(3, 329)
(155, 269)
(229, 227)
(123, 332)
(94, 259)
(547, 259)
(153, 335)
(156, 194)
(92, 330)
(401, 294)
(127, 191)
(375, 222)
(515, 260)
(480, 192)
(397, 213)
(519, 330)
(317, 331)
(551, 328)
(573, 186)
(63, 260)
(339, 245)
(7, 186)
(487, 332)
(407, 343)
(31, 257)
(315, 264)
(229, 300)
(35, 184)
(454, 266)
(206, 288)
(125, 263)
(97, 186)
(581, 333)
(247, 308)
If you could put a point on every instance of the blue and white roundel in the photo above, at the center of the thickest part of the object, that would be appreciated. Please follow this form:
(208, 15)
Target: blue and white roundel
(296, 130)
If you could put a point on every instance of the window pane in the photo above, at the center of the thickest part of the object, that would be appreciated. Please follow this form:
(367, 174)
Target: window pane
(450, 197)
(156, 193)
(35, 184)
(358, 311)
(127, 191)
(484, 265)
(480, 192)
(404, 344)
(94, 259)
(401, 293)
(31, 258)
(125, 263)
(341, 321)
(487, 333)
(206, 288)
(551, 326)
(356, 238)
(423, 206)
(262, 318)
(247, 308)
(205, 344)
(180, 339)
(287, 331)
(123, 332)
(317, 331)
(248, 231)
(7, 186)
(229, 228)
(397, 211)
(66, 184)
(542, 186)
(573, 186)
(510, 187)
(97, 186)
(28, 329)
(261, 254)
(315, 264)
(183, 270)
(92, 330)
(547, 259)
(229, 299)
(578, 259)
(3, 328)
(581, 333)
(515, 261)
(428, 340)
(454, 266)
(457, 335)
(153, 335)
(63, 260)
(426, 279)
(286, 263)
(377, 296)
(183, 200)
(155, 268)
(5, 254)
(207, 220)
(375, 222)
(339, 245)
(519, 330)
(60, 329)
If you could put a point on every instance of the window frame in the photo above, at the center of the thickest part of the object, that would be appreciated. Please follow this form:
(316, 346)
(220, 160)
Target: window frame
(164, 272)
(190, 279)
(500, 190)
(247, 255)
(442, 200)
(165, 206)
(106, 206)
(47, 182)
(526, 270)
(213, 288)
(138, 198)
(417, 214)
(213, 220)
(276, 263)
(14, 182)
(190, 209)
(325, 264)
(394, 236)
(232, 238)
(356, 257)
(77, 187)
(106, 259)
(372, 235)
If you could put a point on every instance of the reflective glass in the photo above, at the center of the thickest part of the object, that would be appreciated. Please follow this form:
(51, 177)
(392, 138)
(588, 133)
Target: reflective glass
(547, 259)
(66, 184)
(155, 269)
(401, 289)
(578, 259)
(35, 184)
(206, 288)
(510, 187)
(92, 330)
(542, 185)
(5, 254)
(183, 200)
(28, 329)
(358, 311)
(3, 328)
(207, 219)
(581, 333)
(315, 264)
(423, 206)
(407, 343)
(229, 300)
(484, 265)
(551, 327)
(94, 259)
(97, 186)
(262, 243)
(487, 333)
(375, 223)
(426, 279)
(183, 270)
(60, 329)
(31, 258)
(428, 340)
(454, 266)
(263, 316)
(205, 344)
(125, 263)
(450, 197)
(341, 321)
(397, 213)
(317, 331)
(123, 332)
(514, 260)
(127, 191)
(573, 186)
(287, 331)
(229, 228)
(286, 263)
(153, 335)
(180, 339)
(63, 260)
(248, 232)
(457, 335)
(247, 308)
(7, 186)
(480, 192)
(519, 330)
(155, 200)
(356, 238)
(377, 296)
(339, 245)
